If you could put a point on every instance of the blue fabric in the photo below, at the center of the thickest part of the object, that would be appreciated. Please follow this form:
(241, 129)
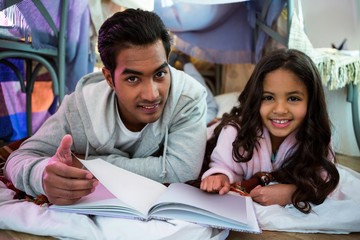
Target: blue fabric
(6, 75)
(272, 14)
(18, 125)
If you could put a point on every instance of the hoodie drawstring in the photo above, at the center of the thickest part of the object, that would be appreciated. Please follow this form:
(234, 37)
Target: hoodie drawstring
(164, 172)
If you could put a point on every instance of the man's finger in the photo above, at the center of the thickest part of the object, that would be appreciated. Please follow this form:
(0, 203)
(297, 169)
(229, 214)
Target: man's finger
(64, 150)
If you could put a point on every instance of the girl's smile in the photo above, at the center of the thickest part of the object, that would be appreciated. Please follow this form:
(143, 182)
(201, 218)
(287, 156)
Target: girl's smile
(278, 123)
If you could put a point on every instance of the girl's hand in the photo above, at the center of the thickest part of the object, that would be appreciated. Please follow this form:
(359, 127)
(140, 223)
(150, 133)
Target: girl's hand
(273, 194)
(216, 183)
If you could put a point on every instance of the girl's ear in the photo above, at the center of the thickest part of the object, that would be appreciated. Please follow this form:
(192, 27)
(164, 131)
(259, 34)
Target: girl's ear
(108, 77)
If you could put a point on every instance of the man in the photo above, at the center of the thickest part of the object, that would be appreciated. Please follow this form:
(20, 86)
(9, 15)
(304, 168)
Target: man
(145, 117)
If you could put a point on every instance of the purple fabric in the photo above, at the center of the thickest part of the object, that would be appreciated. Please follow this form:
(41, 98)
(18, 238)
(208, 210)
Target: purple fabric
(5, 121)
(78, 61)
(219, 33)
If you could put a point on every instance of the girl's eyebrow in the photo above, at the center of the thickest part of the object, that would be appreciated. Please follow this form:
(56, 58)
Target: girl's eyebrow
(131, 71)
(295, 92)
(288, 93)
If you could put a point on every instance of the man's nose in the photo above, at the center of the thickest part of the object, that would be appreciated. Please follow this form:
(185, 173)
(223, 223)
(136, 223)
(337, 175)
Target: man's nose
(150, 90)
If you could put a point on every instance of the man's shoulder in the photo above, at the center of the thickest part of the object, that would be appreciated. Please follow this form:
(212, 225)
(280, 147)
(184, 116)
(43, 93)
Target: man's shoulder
(91, 78)
(186, 85)
(92, 86)
(89, 90)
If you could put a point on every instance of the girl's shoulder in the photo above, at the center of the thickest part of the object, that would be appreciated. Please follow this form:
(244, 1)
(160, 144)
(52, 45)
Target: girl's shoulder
(229, 131)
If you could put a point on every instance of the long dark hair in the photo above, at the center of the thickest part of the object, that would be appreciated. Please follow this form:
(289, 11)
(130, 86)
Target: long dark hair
(306, 161)
(131, 27)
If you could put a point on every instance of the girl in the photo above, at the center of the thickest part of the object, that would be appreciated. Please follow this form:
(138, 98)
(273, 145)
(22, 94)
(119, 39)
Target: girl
(279, 132)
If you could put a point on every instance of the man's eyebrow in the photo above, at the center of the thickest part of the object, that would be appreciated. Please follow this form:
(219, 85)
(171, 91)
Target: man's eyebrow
(131, 71)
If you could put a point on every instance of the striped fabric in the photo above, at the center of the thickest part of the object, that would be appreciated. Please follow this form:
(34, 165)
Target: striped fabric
(13, 103)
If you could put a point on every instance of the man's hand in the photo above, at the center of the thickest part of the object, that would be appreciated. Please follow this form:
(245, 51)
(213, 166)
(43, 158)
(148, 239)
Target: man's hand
(273, 194)
(216, 183)
(63, 181)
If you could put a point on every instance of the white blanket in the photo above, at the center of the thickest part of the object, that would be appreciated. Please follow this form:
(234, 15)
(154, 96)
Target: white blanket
(340, 214)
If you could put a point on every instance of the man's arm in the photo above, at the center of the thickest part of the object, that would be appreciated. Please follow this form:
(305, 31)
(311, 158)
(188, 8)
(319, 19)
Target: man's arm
(25, 167)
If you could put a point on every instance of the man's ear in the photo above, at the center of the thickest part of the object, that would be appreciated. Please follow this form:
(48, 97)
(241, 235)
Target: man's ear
(108, 77)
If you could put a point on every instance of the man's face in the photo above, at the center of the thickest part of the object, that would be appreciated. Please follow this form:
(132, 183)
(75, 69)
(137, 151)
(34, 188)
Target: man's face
(141, 83)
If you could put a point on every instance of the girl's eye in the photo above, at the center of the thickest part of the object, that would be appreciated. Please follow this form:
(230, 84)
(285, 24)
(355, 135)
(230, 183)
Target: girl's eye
(294, 99)
(267, 98)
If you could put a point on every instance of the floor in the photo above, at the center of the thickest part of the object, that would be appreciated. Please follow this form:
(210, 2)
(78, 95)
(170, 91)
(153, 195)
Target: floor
(352, 162)
(265, 235)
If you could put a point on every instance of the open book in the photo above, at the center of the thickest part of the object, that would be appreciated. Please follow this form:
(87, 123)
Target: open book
(129, 195)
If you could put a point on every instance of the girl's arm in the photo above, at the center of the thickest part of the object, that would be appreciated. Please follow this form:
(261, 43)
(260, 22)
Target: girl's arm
(222, 161)
(273, 194)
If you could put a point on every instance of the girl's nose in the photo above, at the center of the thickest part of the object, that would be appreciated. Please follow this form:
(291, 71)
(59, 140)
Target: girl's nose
(280, 107)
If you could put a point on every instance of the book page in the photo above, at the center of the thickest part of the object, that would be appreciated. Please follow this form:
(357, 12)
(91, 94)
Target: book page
(185, 202)
(101, 202)
(251, 214)
(220, 205)
(135, 190)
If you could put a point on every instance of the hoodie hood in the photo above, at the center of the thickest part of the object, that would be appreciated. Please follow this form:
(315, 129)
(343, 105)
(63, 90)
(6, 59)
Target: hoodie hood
(94, 97)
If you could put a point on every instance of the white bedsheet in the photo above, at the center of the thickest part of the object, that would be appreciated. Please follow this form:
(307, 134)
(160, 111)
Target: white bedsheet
(340, 214)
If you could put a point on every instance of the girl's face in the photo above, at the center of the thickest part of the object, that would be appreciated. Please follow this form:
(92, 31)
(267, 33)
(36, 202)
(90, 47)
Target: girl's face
(284, 104)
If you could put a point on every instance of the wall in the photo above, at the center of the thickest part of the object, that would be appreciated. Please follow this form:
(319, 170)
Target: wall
(331, 21)
(327, 22)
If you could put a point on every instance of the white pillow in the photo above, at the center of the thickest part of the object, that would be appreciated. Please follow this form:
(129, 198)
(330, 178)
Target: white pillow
(226, 102)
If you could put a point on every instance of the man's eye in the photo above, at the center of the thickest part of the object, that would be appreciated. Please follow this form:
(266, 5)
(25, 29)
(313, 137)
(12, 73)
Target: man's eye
(132, 79)
(160, 74)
